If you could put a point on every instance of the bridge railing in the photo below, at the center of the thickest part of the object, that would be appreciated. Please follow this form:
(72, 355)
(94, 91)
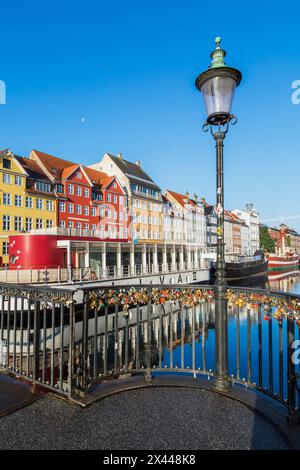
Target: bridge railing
(67, 339)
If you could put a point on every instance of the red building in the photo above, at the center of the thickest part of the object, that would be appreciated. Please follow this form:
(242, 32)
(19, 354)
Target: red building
(91, 209)
(87, 200)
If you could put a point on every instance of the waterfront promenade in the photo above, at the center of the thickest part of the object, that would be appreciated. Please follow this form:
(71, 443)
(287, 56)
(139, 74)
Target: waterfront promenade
(152, 418)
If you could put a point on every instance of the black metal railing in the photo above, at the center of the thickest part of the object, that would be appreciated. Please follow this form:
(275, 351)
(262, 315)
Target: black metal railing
(68, 339)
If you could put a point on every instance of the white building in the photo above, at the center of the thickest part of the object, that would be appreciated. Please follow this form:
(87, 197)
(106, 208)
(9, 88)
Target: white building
(251, 218)
(184, 219)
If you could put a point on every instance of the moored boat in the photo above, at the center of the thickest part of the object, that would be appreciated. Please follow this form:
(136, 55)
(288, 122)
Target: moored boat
(279, 264)
(244, 267)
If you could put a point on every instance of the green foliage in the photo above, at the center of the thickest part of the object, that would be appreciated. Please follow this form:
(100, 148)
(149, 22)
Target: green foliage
(266, 241)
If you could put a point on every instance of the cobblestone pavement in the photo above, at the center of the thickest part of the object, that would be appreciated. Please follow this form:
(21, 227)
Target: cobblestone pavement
(151, 419)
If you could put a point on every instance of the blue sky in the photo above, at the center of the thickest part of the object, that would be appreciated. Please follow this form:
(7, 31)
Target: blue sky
(88, 77)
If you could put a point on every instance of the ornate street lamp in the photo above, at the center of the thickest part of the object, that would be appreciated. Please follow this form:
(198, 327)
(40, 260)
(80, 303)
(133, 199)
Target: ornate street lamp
(218, 84)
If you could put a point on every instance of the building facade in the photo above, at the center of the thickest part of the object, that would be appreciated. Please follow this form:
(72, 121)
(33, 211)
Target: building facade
(27, 200)
(144, 197)
(251, 217)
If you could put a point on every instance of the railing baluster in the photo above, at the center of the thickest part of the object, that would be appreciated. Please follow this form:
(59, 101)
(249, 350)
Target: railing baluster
(71, 347)
(28, 336)
(95, 374)
(171, 335)
(292, 381)
(149, 336)
(280, 371)
(44, 342)
(182, 316)
(105, 341)
(248, 345)
(137, 339)
(126, 340)
(8, 329)
(259, 317)
(21, 334)
(36, 341)
(193, 339)
(116, 361)
(15, 334)
(203, 310)
(61, 362)
(238, 345)
(52, 343)
(270, 354)
(85, 336)
(160, 336)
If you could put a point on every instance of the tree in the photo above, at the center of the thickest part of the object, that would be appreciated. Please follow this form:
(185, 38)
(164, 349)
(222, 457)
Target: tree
(266, 241)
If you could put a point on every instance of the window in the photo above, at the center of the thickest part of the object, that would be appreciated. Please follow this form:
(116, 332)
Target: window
(5, 247)
(6, 178)
(115, 215)
(115, 199)
(71, 189)
(59, 188)
(6, 222)
(49, 206)
(93, 211)
(108, 214)
(6, 199)
(78, 191)
(62, 206)
(39, 224)
(121, 200)
(70, 224)
(78, 175)
(18, 200)
(114, 184)
(93, 227)
(70, 208)
(86, 192)
(45, 187)
(28, 202)
(108, 197)
(86, 210)
(62, 224)
(18, 224)
(18, 181)
(28, 224)
(78, 225)
(78, 209)
(121, 216)
(49, 223)
(121, 232)
(86, 226)
(39, 203)
(6, 163)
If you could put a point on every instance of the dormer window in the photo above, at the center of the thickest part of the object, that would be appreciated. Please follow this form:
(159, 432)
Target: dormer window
(45, 187)
(59, 188)
(6, 164)
(78, 175)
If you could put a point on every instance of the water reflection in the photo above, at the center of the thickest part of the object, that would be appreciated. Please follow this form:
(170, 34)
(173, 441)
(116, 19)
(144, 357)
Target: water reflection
(283, 284)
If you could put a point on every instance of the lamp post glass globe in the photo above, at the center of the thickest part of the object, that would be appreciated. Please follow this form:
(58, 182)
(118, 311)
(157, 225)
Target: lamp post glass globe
(217, 85)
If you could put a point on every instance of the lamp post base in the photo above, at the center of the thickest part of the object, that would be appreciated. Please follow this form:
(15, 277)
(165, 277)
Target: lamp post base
(222, 384)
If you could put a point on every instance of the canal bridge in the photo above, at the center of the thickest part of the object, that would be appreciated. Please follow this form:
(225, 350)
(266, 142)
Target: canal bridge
(89, 341)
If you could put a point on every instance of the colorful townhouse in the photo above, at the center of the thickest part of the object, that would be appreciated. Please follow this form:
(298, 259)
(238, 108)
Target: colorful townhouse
(27, 200)
(251, 217)
(144, 197)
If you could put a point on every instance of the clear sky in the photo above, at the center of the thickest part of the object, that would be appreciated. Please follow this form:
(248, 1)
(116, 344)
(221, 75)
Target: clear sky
(88, 77)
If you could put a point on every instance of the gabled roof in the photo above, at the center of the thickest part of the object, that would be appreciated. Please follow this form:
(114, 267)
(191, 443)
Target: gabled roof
(182, 199)
(32, 168)
(59, 169)
(133, 172)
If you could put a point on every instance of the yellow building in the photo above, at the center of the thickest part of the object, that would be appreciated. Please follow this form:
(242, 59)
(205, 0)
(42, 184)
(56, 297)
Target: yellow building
(27, 199)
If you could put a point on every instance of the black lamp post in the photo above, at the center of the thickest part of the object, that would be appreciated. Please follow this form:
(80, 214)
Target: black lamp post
(217, 84)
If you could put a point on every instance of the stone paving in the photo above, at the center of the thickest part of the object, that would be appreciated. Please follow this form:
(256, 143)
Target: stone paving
(162, 418)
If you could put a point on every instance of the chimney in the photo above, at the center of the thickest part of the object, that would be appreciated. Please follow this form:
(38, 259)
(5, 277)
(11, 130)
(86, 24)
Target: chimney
(138, 163)
(120, 156)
